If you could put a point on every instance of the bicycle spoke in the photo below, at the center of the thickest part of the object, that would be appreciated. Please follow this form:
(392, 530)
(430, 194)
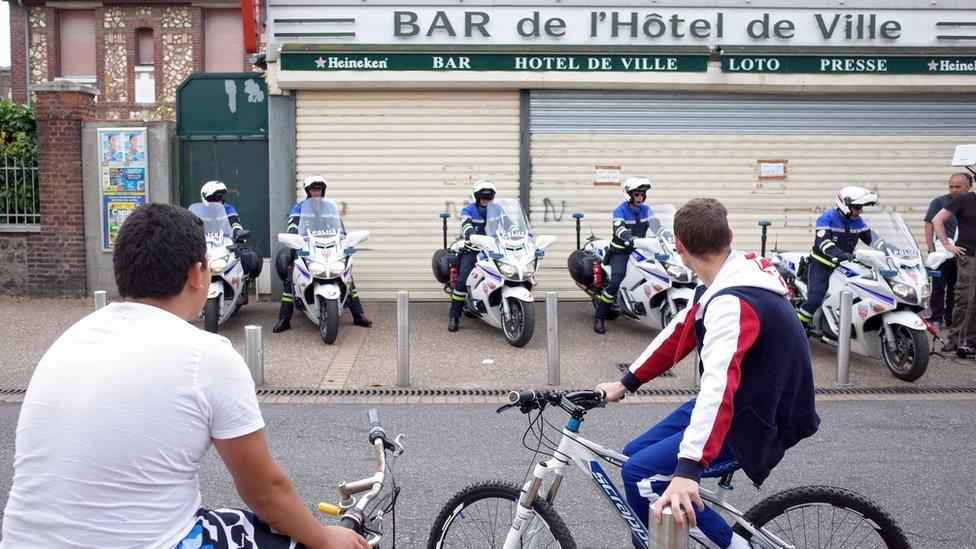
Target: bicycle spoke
(812, 526)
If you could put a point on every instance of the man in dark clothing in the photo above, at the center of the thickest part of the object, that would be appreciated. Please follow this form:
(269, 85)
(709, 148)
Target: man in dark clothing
(963, 208)
(756, 398)
(944, 286)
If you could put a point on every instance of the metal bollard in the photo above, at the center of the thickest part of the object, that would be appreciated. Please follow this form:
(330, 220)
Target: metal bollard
(101, 299)
(666, 535)
(403, 343)
(552, 333)
(844, 339)
(254, 352)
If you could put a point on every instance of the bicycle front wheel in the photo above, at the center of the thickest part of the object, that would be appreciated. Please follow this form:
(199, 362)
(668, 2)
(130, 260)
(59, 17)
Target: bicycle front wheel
(827, 517)
(480, 516)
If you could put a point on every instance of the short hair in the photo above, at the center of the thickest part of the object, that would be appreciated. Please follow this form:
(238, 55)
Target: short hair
(702, 224)
(156, 246)
(967, 179)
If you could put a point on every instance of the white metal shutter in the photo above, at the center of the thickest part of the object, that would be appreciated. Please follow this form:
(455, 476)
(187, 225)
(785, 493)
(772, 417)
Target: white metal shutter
(77, 43)
(224, 49)
(709, 146)
(395, 159)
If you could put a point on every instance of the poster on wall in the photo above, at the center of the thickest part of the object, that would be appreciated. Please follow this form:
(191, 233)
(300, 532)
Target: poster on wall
(123, 177)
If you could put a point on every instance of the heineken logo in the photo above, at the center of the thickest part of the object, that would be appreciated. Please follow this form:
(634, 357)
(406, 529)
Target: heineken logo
(949, 65)
(347, 63)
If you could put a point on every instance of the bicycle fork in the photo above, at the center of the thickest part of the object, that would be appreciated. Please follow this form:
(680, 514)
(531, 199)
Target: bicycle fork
(525, 524)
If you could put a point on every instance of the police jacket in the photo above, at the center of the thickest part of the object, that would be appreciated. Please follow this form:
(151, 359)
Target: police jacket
(233, 218)
(629, 224)
(836, 234)
(473, 220)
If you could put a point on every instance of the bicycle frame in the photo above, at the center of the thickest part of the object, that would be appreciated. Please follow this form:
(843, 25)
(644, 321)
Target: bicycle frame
(587, 455)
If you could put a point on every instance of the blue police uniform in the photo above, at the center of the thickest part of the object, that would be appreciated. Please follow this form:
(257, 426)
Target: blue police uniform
(628, 223)
(288, 291)
(473, 220)
(836, 234)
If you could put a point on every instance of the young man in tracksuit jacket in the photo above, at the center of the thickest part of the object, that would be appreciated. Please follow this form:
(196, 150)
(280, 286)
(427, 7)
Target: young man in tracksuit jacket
(756, 398)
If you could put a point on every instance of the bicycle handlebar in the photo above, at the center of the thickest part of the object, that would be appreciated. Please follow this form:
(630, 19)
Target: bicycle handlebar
(530, 399)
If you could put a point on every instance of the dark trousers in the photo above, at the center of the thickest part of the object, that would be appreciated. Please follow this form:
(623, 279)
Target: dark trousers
(466, 263)
(818, 277)
(963, 330)
(618, 270)
(943, 290)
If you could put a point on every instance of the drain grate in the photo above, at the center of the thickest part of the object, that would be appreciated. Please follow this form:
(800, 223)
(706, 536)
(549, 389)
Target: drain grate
(394, 392)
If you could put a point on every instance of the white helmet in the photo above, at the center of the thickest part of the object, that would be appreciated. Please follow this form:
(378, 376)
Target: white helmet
(314, 181)
(854, 196)
(213, 191)
(484, 187)
(636, 184)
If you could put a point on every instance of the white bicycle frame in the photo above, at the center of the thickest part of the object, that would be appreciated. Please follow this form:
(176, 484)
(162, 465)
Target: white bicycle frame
(585, 453)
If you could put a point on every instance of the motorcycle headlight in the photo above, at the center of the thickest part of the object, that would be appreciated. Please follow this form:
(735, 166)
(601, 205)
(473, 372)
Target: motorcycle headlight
(677, 272)
(336, 268)
(506, 269)
(316, 268)
(904, 291)
(529, 269)
(926, 291)
(218, 265)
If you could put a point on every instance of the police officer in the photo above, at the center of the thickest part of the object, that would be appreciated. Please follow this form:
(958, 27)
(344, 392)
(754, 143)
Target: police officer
(837, 233)
(473, 218)
(630, 221)
(214, 191)
(314, 188)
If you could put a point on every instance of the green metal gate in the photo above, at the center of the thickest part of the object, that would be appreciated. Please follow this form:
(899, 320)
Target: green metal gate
(222, 128)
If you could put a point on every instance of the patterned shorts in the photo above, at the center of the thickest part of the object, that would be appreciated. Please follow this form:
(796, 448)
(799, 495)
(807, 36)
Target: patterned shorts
(233, 529)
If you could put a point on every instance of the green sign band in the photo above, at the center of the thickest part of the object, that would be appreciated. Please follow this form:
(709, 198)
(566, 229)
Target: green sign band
(508, 62)
(838, 64)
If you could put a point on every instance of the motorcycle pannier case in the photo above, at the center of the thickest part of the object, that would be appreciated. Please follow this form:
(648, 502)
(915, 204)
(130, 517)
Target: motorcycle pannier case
(441, 265)
(580, 265)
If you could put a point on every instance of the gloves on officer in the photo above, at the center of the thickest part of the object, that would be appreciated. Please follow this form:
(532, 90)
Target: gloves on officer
(844, 256)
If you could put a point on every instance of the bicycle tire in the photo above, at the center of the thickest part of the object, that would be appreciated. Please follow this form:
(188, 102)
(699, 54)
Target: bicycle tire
(873, 516)
(502, 491)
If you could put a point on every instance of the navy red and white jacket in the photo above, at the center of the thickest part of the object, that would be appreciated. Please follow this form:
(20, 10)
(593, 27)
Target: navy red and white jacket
(756, 380)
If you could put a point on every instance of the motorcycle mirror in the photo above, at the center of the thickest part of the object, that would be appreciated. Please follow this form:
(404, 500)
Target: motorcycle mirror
(293, 241)
(356, 237)
(544, 241)
(482, 241)
(242, 235)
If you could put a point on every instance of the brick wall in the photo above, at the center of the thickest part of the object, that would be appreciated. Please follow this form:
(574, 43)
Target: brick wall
(56, 255)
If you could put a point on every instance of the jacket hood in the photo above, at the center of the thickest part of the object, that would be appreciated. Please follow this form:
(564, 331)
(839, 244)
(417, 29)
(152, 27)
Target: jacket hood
(746, 269)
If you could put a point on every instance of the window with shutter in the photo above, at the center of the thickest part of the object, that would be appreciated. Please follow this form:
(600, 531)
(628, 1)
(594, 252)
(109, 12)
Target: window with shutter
(77, 43)
(224, 41)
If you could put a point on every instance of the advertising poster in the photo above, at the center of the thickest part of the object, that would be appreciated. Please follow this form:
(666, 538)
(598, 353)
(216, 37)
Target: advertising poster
(115, 210)
(123, 176)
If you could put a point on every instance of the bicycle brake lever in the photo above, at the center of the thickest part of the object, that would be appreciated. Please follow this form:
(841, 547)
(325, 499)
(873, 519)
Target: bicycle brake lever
(398, 445)
(503, 408)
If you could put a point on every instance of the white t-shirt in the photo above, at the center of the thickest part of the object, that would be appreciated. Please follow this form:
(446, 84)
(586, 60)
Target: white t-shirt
(116, 419)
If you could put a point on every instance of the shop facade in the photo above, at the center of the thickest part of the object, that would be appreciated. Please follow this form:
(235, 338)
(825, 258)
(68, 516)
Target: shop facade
(403, 106)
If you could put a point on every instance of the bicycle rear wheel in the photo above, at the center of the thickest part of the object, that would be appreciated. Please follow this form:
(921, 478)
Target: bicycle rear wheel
(480, 516)
(827, 517)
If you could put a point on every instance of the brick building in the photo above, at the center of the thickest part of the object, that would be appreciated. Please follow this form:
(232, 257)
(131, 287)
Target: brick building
(135, 53)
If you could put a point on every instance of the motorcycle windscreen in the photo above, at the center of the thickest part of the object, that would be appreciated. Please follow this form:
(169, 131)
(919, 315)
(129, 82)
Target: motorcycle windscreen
(320, 217)
(507, 220)
(214, 216)
(661, 222)
(889, 229)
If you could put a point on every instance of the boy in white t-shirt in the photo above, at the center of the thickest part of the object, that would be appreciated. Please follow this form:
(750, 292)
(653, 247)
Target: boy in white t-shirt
(124, 405)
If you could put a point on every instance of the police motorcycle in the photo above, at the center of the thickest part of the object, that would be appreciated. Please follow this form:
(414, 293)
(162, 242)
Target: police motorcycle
(229, 287)
(890, 287)
(500, 285)
(657, 285)
(323, 266)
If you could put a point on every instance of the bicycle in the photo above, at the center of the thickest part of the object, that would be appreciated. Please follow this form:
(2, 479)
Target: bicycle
(357, 515)
(503, 514)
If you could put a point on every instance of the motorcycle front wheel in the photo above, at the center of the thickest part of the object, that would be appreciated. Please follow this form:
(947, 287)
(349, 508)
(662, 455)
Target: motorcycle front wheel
(908, 358)
(329, 320)
(520, 322)
(211, 314)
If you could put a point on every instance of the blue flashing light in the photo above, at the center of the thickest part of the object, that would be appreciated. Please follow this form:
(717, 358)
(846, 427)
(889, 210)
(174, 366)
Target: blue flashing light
(888, 273)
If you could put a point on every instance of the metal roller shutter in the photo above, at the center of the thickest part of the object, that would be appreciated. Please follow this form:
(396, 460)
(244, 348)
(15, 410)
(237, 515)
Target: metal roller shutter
(78, 43)
(394, 160)
(224, 50)
(709, 145)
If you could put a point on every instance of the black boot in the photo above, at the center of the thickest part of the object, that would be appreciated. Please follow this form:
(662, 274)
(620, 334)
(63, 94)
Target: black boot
(358, 317)
(284, 317)
(598, 326)
(452, 324)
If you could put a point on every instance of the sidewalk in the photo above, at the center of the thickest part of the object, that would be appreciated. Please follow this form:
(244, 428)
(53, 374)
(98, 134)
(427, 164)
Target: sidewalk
(477, 356)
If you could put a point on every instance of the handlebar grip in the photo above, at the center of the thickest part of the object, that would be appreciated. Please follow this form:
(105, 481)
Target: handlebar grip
(349, 523)
(521, 397)
(374, 417)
